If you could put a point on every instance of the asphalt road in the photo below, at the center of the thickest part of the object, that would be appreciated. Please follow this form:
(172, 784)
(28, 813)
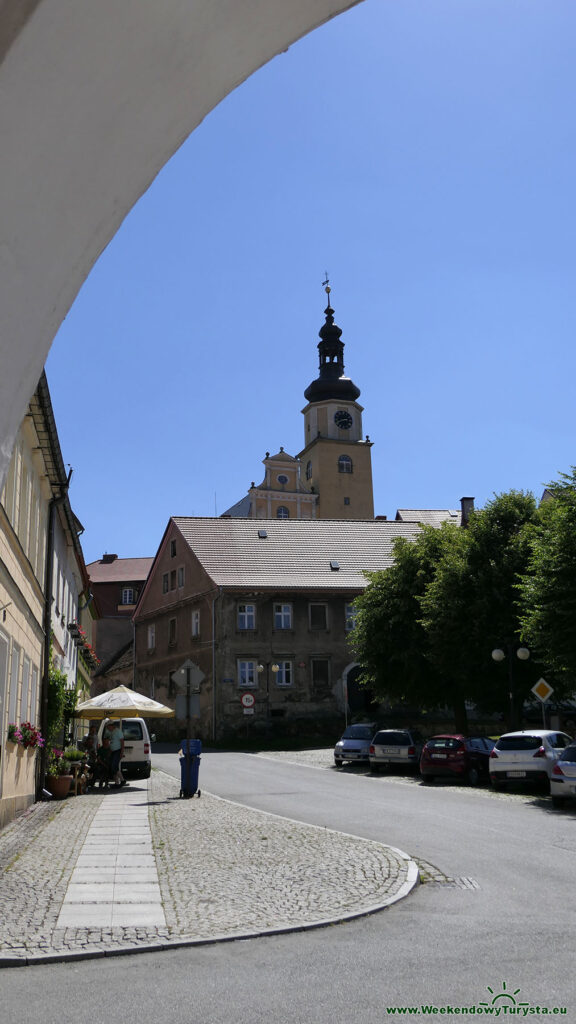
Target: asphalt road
(501, 933)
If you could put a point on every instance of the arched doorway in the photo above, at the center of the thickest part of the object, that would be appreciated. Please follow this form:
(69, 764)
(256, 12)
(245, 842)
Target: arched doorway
(360, 698)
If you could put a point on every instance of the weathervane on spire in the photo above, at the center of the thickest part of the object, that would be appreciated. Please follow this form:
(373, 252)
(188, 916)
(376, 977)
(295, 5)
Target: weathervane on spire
(327, 287)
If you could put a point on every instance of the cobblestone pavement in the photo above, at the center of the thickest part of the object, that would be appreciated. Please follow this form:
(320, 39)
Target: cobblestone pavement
(225, 871)
(323, 757)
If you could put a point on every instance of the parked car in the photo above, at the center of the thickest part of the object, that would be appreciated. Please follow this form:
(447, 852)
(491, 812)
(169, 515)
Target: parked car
(526, 756)
(137, 760)
(457, 757)
(563, 777)
(395, 747)
(354, 743)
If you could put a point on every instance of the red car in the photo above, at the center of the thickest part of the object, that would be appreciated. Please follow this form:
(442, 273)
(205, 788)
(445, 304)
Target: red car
(457, 757)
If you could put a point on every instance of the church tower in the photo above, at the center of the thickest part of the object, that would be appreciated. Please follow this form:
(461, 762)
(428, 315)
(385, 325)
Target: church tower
(336, 459)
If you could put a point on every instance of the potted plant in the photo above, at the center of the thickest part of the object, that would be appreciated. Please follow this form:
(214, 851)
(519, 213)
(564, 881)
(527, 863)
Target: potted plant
(58, 774)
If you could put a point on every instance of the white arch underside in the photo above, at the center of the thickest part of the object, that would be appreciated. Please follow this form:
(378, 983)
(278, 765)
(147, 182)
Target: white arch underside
(95, 97)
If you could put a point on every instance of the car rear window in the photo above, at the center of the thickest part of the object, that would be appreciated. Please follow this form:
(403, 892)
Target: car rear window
(445, 743)
(132, 730)
(519, 743)
(393, 739)
(569, 754)
(358, 732)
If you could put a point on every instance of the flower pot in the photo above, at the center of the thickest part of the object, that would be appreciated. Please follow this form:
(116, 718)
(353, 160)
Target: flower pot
(59, 785)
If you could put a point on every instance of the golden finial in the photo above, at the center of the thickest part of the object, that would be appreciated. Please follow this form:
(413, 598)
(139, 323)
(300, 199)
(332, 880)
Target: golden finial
(327, 288)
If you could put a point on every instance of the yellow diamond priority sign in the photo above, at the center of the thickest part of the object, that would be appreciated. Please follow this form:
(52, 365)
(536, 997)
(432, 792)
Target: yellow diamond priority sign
(542, 690)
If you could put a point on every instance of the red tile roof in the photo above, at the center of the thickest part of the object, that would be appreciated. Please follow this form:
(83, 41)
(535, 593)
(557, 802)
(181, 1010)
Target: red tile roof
(121, 570)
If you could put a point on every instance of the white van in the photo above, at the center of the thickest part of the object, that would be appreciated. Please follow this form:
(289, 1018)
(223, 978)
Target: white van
(137, 760)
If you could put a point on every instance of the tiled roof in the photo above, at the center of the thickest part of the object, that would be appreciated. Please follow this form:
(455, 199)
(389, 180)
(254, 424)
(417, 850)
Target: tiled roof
(430, 516)
(241, 508)
(295, 553)
(121, 570)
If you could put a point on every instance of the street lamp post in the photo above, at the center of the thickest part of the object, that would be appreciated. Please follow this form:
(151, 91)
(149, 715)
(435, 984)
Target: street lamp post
(523, 654)
(275, 668)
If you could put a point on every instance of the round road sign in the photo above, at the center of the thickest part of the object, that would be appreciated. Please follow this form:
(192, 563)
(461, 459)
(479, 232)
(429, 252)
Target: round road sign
(248, 700)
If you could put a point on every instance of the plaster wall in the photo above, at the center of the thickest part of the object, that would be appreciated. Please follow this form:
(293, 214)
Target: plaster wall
(94, 99)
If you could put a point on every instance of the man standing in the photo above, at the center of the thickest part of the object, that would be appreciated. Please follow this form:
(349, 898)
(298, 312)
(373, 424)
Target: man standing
(114, 733)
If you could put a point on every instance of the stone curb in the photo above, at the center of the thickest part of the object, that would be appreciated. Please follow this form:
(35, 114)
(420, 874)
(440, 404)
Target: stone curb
(160, 944)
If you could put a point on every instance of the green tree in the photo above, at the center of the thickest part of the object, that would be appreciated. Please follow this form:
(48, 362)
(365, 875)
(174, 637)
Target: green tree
(427, 626)
(472, 605)
(548, 586)
(388, 637)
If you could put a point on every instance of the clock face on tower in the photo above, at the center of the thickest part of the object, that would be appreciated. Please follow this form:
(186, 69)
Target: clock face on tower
(343, 419)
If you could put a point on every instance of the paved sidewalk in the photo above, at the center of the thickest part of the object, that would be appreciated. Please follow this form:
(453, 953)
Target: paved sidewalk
(139, 869)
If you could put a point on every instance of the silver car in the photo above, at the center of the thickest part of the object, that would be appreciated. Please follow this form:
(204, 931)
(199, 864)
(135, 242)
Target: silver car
(563, 777)
(395, 748)
(354, 743)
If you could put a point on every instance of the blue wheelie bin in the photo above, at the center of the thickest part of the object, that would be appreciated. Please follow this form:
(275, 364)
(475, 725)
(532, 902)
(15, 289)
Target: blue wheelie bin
(189, 767)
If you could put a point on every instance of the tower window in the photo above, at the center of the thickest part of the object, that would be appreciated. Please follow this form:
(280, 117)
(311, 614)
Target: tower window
(346, 501)
(344, 464)
(308, 470)
(282, 512)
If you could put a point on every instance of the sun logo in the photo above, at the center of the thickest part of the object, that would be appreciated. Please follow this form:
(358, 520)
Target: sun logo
(503, 995)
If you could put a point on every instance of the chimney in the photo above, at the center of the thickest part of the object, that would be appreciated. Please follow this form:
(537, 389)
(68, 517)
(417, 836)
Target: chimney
(466, 507)
(107, 559)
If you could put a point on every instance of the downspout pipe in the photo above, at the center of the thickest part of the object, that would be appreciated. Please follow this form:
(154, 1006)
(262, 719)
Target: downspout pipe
(48, 582)
(214, 599)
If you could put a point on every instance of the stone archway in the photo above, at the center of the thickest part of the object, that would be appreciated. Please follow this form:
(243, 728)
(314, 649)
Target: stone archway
(360, 698)
(94, 99)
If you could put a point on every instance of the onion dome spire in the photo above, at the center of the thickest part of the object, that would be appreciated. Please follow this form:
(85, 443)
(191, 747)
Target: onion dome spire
(331, 381)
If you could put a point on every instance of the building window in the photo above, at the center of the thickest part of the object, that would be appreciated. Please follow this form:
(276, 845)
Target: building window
(127, 596)
(172, 632)
(308, 470)
(344, 464)
(247, 673)
(282, 478)
(320, 672)
(196, 623)
(181, 576)
(346, 501)
(173, 579)
(165, 583)
(24, 713)
(282, 512)
(172, 549)
(246, 616)
(282, 616)
(151, 637)
(14, 680)
(350, 616)
(284, 673)
(318, 616)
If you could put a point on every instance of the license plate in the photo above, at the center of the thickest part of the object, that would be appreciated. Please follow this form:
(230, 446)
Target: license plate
(440, 757)
(516, 775)
(389, 750)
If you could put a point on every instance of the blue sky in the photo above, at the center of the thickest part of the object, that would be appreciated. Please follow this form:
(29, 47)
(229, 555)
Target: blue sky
(423, 152)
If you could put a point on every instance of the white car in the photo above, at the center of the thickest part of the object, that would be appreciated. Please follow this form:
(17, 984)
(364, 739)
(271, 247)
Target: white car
(527, 755)
(137, 760)
(563, 777)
